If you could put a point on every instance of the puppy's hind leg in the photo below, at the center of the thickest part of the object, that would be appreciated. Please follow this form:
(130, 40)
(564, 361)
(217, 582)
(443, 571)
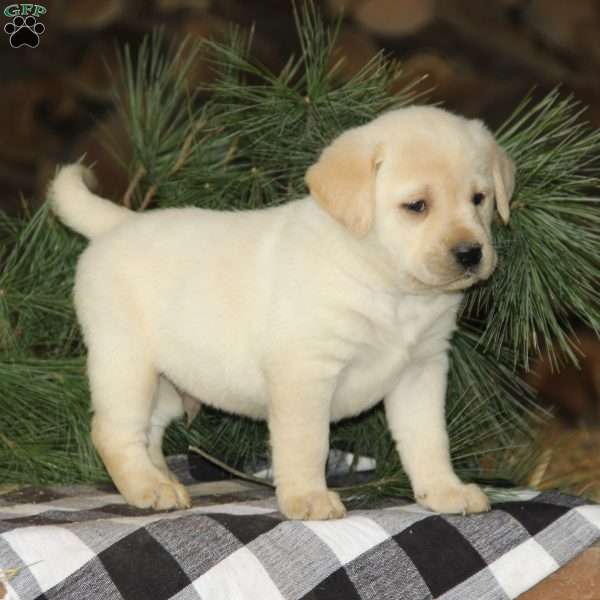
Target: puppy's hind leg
(123, 384)
(168, 406)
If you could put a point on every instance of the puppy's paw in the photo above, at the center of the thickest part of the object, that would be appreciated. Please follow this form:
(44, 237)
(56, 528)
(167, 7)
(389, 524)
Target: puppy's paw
(312, 506)
(160, 495)
(451, 498)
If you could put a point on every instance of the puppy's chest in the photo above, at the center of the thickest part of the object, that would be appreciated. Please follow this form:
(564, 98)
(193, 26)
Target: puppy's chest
(400, 334)
(404, 327)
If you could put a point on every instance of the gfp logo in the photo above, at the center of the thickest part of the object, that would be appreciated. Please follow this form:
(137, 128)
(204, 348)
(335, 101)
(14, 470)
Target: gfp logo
(24, 29)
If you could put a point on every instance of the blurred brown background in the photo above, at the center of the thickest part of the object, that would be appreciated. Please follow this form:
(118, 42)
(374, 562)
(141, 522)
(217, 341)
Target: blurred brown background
(481, 58)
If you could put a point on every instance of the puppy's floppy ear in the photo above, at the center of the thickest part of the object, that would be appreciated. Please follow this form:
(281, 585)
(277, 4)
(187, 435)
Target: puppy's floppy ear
(503, 170)
(342, 180)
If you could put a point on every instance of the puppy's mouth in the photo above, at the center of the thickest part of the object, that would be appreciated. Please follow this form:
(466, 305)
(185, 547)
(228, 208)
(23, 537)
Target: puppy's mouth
(465, 280)
(460, 282)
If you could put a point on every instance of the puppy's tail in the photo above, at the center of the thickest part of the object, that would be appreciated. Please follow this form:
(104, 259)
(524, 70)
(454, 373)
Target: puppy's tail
(80, 209)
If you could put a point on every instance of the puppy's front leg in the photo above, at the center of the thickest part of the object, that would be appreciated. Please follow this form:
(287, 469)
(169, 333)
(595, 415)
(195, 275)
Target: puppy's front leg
(415, 414)
(299, 410)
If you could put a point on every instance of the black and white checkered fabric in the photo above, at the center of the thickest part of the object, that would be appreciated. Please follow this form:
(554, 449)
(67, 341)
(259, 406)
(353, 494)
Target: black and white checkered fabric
(90, 548)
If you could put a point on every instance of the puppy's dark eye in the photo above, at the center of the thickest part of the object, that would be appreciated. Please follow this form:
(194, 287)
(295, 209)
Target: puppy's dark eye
(478, 198)
(418, 206)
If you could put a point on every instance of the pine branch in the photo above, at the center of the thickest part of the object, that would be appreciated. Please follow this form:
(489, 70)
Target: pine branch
(36, 280)
(44, 422)
(549, 254)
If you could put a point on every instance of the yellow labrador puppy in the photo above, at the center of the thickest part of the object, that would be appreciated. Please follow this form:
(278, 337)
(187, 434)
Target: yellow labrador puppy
(302, 314)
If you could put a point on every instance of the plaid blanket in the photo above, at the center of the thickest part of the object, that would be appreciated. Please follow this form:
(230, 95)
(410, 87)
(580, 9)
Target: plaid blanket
(93, 546)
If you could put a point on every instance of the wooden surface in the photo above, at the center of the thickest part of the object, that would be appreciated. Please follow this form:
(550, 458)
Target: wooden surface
(577, 580)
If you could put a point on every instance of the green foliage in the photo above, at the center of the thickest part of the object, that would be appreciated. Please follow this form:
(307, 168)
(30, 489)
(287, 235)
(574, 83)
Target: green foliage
(36, 280)
(250, 144)
(44, 422)
(549, 269)
(44, 406)
(245, 141)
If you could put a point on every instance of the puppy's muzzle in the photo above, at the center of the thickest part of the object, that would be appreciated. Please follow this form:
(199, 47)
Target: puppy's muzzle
(467, 254)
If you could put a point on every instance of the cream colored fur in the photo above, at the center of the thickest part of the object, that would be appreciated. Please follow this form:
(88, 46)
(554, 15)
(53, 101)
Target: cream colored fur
(302, 314)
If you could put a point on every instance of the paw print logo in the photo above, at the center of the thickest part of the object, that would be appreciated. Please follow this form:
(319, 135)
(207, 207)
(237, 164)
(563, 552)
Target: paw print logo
(24, 32)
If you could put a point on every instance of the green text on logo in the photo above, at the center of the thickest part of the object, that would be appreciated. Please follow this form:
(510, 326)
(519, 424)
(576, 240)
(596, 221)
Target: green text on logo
(15, 10)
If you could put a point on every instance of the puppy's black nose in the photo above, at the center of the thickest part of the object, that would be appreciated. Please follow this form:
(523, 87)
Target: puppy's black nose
(467, 254)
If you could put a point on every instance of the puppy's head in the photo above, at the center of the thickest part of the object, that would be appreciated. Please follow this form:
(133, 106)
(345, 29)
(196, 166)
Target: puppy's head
(425, 184)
